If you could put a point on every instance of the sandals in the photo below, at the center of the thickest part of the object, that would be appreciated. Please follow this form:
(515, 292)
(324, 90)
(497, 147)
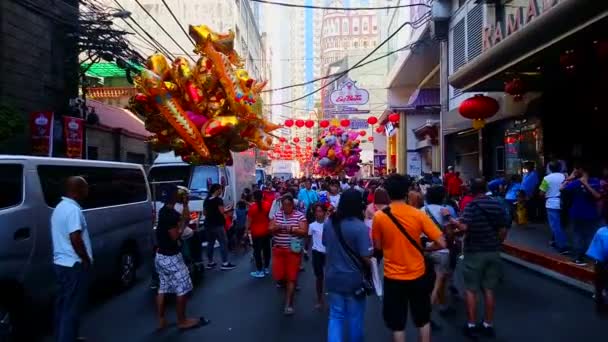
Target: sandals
(201, 323)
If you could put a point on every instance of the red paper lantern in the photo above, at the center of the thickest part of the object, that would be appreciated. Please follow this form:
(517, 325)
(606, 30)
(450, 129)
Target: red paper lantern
(308, 139)
(515, 88)
(393, 117)
(300, 123)
(370, 139)
(362, 133)
(372, 120)
(380, 129)
(478, 108)
(288, 123)
(296, 140)
(324, 123)
(345, 123)
(309, 123)
(281, 139)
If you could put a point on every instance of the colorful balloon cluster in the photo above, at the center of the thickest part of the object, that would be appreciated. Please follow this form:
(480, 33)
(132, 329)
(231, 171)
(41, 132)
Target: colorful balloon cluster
(337, 151)
(202, 111)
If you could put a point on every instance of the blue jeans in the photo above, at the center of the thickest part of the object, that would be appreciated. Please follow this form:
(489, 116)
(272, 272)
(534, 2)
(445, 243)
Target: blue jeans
(554, 217)
(343, 309)
(73, 287)
(583, 230)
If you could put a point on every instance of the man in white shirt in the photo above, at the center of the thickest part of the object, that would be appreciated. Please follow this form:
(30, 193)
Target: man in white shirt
(550, 188)
(72, 258)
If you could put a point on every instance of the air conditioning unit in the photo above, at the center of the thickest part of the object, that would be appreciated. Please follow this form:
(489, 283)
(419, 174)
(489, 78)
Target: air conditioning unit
(440, 16)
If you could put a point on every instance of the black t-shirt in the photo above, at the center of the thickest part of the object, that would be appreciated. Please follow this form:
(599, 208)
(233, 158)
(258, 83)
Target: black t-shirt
(166, 245)
(213, 217)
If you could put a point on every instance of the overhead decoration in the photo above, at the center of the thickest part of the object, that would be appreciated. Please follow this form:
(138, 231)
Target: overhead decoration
(324, 123)
(345, 123)
(380, 129)
(370, 139)
(478, 108)
(362, 133)
(310, 123)
(337, 152)
(300, 123)
(516, 88)
(211, 106)
(288, 123)
(296, 140)
(372, 120)
(308, 139)
(393, 117)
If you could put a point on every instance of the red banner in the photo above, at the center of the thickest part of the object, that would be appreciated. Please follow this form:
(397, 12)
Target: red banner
(73, 131)
(41, 133)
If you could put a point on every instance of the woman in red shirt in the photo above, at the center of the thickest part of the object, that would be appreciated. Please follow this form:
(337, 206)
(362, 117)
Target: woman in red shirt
(257, 225)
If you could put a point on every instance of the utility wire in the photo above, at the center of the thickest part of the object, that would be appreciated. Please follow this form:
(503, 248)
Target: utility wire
(157, 45)
(163, 29)
(340, 74)
(178, 23)
(337, 8)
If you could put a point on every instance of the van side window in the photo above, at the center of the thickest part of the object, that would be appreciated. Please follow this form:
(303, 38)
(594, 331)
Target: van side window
(11, 183)
(107, 186)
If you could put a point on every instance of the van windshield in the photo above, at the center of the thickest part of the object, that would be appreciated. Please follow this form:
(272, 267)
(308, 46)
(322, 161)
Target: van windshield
(168, 173)
(202, 175)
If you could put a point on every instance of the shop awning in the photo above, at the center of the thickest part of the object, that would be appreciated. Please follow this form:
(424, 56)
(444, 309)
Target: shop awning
(424, 98)
(562, 21)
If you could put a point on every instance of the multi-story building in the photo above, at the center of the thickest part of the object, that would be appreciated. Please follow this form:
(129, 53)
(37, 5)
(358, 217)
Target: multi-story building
(219, 15)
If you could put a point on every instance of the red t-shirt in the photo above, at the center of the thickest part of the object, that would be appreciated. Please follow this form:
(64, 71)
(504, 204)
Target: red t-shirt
(259, 219)
(464, 201)
(454, 185)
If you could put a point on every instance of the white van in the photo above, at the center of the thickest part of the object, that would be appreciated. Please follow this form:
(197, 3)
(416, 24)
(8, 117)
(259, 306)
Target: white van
(118, 213)
(197, 178)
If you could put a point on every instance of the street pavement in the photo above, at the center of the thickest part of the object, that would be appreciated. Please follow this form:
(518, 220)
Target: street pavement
(531, 307)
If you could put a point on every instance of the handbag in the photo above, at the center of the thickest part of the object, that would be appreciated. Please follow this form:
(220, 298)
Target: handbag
(296, 245)
(428, 278)
(367, 288)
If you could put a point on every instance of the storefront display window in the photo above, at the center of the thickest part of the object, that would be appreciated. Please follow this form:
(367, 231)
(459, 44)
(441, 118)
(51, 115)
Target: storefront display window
(522, 143)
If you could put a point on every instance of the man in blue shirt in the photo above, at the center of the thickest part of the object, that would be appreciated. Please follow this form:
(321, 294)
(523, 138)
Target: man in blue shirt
(585, 192)
(530, 181)
(598, 251)
(307, 196)
(72, 258)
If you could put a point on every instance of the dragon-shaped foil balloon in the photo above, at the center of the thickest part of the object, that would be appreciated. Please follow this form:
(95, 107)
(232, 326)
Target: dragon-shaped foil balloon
(206, 110)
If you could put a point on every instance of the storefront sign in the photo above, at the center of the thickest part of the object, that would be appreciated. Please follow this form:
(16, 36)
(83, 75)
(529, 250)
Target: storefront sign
(73, 129)
(390, 129)
(348, 94)
(515, 18)
(414, 164)
(41, 133)
(358, 124)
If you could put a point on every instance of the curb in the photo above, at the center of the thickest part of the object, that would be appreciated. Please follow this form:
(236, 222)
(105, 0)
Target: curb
(549, 273)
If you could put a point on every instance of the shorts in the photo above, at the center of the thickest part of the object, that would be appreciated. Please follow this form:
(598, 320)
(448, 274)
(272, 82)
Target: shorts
(399, 295)
(318, 263)
(482, 270)
(173, 274)
(441, 260)
(285, 264)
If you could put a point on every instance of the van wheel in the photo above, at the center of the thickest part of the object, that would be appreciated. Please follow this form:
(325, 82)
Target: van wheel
(127, 268)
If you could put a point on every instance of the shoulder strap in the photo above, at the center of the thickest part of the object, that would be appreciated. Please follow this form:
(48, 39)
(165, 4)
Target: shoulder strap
(349, 251)
(388, 213)
(432, 217)
(485, 214)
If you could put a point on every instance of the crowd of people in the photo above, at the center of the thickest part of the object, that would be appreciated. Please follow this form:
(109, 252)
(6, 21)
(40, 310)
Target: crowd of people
(415, 233)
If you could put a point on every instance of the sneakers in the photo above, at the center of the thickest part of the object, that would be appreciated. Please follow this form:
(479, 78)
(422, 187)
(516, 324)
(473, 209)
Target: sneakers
(227, 266)
(267, 271)
(211, 265)
(471, 331)
(487, 330)
(257, 274)
(289, 311)
(579, 262)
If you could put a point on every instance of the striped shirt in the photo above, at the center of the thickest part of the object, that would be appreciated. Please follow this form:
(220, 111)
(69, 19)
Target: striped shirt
(282, 239)
(484, 216)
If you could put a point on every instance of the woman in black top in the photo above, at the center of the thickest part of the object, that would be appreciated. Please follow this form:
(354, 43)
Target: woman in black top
(215, 223)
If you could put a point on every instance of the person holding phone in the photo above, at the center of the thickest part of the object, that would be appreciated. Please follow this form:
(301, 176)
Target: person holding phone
(289, 228)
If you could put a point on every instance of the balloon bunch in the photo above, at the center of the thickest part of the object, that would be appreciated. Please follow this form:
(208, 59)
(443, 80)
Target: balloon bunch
(337, 151)
(202, 111)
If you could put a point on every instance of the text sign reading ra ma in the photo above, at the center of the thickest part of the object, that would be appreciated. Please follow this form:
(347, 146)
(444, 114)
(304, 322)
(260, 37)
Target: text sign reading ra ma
(348, 94)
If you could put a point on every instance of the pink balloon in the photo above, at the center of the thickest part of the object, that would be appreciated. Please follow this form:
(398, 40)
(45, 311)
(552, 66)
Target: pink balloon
(197, 120)
(353, 135)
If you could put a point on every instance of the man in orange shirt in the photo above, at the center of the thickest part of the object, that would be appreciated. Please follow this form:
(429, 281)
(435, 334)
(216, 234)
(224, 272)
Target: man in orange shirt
(403, 263)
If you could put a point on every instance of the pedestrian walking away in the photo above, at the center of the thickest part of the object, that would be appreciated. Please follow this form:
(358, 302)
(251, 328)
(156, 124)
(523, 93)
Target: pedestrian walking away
(408, 281)
(550, 189)
(72, 259)
(213, 209)
(315, 230)
(258, 226)
(173, 274)
(483, 222)
(289, 228)
(347, 274)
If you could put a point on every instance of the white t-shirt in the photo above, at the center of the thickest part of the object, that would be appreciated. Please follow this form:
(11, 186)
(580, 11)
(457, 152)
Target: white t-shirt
(315, 230)
(550, 186)
(334, 200)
